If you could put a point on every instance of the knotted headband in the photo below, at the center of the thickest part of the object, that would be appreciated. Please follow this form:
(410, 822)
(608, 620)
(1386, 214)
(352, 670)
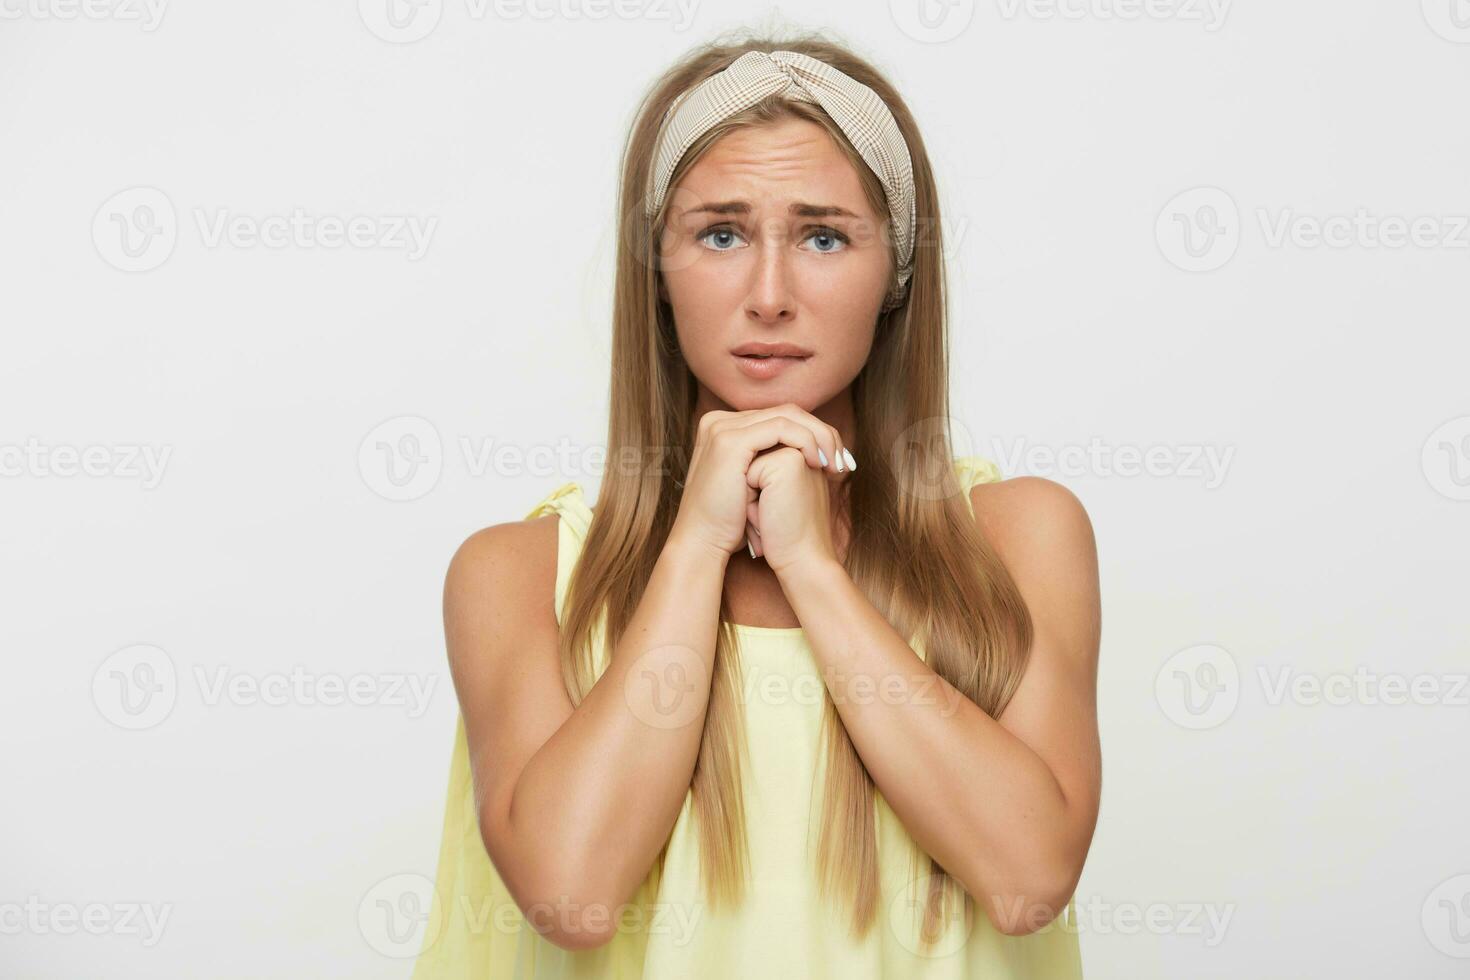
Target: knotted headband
(856, 108)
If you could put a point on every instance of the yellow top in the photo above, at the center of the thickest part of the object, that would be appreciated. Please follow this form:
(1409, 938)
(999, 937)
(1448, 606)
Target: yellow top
(784, 928)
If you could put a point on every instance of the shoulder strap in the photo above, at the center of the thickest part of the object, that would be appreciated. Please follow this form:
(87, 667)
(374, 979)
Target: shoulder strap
(575, 517)
(972, 470)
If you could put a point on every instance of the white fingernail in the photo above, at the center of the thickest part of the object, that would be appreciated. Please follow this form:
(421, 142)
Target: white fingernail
(822, 456)
(851, 463)
(749, 547)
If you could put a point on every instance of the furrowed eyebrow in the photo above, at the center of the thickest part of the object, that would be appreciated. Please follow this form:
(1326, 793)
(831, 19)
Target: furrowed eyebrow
(799, 210)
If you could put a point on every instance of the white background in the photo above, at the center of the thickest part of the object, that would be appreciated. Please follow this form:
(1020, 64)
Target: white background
(1333, 540)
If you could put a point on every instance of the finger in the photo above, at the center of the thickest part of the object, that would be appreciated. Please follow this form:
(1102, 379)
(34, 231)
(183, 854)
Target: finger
(794, 428)
(839, 459)
(778, 430)
(753, 537)
(755, 473)
(830, 446)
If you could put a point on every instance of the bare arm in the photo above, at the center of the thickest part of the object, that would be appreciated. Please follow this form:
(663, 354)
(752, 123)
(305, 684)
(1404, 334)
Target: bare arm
(576, 803)
(1008, 805)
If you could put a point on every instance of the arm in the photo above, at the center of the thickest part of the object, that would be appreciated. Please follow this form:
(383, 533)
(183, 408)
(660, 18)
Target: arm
(574, 803)
(1007, 805)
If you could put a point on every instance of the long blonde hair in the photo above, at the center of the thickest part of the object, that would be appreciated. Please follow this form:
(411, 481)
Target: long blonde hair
(914, 550)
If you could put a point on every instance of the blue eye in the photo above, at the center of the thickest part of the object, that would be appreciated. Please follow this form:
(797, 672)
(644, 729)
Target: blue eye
(716, 230)
(829, 233)
(838, 241)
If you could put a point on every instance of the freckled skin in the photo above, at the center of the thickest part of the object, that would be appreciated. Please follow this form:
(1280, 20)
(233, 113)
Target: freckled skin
(772, 278)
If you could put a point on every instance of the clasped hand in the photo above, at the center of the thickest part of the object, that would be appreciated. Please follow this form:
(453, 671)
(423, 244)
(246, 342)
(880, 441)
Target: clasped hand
(761, 480)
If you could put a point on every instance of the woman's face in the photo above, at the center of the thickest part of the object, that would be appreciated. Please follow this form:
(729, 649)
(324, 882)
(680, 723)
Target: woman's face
(770, 240)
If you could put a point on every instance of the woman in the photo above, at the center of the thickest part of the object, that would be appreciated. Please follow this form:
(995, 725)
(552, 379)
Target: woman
(804, 695)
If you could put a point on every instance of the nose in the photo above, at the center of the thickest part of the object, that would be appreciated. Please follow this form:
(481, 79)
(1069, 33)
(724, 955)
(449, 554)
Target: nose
(770, 297)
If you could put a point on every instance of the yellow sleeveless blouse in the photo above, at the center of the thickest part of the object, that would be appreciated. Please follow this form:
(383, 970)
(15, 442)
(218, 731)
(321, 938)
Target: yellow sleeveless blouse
(784, 928)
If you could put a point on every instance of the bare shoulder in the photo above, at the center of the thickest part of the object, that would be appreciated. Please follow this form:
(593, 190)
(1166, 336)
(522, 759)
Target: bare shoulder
(1033, 519)
(512, 552)
(502, 577)
(502, 638)
(1043, 535)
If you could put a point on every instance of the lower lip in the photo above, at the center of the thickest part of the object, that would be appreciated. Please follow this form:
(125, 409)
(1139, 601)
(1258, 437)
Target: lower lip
(765, 367)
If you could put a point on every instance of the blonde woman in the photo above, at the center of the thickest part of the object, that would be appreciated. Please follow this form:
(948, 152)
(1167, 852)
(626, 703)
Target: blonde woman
(803, 695)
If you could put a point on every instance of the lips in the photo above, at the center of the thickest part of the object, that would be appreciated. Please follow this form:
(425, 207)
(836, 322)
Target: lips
(756, 349)
(767, 366)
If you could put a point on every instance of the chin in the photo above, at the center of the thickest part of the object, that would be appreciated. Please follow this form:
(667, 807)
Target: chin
(745, 399)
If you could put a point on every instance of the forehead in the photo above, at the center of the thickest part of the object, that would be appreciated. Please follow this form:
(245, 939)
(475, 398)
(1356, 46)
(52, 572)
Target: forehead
(789, 160)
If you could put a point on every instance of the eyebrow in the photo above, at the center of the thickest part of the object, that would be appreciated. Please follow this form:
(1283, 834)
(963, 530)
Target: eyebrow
(799, 210)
